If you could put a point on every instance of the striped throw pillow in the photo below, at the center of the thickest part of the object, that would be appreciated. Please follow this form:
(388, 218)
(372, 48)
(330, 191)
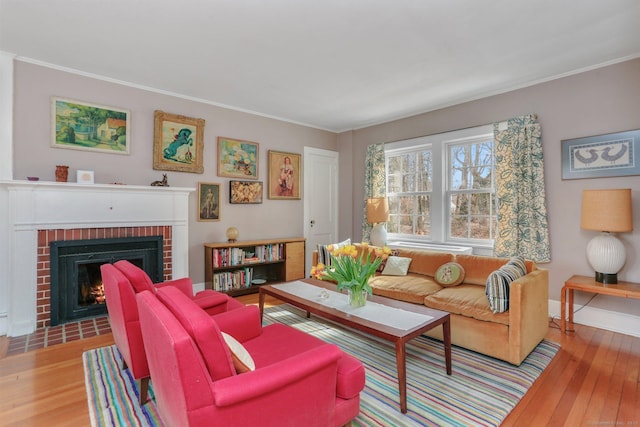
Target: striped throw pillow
(323, 253)
(497, 288)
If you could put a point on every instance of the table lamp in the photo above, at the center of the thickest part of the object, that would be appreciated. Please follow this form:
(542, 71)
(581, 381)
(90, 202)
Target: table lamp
(378, 214)
(608, 211)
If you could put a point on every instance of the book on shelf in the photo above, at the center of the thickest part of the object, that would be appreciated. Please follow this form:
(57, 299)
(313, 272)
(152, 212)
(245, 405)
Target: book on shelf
(230, 280)
(232, 256)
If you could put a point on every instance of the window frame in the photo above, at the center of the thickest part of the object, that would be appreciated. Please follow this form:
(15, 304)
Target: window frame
(440, 189)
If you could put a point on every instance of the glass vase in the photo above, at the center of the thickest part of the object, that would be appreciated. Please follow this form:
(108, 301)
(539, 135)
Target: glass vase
(357, 298)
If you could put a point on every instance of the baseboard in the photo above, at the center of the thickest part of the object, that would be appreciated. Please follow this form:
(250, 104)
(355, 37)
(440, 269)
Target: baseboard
(623, 323)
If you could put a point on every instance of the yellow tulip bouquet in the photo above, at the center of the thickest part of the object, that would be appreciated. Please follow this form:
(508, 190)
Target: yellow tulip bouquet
(352, 271)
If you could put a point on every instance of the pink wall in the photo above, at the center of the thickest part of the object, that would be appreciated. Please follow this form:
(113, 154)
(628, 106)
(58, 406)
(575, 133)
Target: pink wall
(596, 102)
(33, 156)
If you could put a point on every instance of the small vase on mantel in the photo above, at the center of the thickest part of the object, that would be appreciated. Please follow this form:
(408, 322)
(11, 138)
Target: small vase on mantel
(62, 172)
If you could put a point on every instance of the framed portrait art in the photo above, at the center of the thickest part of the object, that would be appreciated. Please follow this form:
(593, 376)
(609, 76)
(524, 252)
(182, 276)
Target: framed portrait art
(245, 192)
(78, 125)
(237, 159)
(284, 175)
(614, 154)
(208, 201)
(178, 143)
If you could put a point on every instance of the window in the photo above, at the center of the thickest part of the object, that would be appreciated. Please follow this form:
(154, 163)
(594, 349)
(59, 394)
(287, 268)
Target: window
(441, 188)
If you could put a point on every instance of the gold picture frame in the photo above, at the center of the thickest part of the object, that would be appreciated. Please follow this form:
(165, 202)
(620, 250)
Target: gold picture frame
(238, 159)
(285, 170)
(208, 201)
(245, 192)
(178, 143)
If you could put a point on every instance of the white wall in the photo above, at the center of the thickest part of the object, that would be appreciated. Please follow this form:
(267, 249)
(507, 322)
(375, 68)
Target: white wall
(35, 84)
(600, 101)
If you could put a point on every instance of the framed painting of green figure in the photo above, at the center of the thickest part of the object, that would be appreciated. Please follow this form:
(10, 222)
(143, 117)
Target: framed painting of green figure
(178, 143)
(79, 125)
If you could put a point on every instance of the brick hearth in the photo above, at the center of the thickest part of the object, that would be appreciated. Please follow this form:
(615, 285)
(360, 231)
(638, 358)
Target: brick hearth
(43, 290)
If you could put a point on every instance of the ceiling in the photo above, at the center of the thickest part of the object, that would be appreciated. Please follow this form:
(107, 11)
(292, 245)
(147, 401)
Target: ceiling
(329, 64)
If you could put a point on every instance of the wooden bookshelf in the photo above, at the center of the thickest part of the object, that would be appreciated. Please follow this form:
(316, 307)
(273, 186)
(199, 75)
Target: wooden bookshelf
(239, 268)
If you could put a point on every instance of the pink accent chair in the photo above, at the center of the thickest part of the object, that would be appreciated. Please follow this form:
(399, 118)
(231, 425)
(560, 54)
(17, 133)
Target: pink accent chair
(123, 313)
(298, 379)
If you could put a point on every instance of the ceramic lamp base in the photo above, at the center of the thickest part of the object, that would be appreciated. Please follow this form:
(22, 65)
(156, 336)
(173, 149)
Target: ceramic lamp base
(378, 235)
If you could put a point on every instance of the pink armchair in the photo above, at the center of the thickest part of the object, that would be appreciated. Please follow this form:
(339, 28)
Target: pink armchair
(298, 379)
(125, 323)
(210, 301)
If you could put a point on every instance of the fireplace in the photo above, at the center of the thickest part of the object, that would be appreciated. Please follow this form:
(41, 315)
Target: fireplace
(76, 283)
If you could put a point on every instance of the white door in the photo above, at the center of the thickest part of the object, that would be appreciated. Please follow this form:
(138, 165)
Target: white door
(320, 199)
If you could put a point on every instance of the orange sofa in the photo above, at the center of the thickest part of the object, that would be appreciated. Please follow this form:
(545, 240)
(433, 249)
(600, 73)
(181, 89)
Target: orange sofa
(508, 336)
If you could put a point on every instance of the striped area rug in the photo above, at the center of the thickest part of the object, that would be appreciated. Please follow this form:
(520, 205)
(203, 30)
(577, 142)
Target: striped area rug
(481, 392)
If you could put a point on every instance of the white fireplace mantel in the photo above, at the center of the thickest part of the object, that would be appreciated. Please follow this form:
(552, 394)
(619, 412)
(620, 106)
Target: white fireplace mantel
(26, 207)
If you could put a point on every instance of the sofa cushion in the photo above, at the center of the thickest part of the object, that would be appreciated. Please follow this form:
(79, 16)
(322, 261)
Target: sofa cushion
(498, 282)
(466, 300)
(426, 262)
(477, 267)
(450, 274)
(323, 252)
(410, 288)
(396, 266)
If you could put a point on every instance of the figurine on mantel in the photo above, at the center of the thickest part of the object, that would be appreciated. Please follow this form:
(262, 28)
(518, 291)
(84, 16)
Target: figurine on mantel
(163, 183)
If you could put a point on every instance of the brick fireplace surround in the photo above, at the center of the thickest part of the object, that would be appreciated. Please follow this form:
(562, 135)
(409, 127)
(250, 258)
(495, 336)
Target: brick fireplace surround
(37, 213)
(45, 237)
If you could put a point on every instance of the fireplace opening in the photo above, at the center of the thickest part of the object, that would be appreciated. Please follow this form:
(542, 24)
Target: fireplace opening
(76, 282)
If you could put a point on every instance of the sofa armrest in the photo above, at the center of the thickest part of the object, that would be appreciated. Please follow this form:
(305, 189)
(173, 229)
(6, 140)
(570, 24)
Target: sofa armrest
(277, 378)
(314, 257)
(185, 285)
(528, 311)
(242, 323)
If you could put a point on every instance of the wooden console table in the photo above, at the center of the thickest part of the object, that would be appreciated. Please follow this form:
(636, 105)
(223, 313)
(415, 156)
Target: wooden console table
(589, 284)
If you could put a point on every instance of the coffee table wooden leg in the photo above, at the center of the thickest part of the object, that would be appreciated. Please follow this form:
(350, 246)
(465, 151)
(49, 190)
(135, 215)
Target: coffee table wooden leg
(446, 334)
(401, 362)
(261, 304)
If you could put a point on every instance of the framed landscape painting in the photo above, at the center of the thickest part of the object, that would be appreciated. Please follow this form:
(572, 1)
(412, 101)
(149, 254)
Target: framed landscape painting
(241, 192)
(284, 175)
(178, 143)
(208, 201)
(237, 159)
(79, 125)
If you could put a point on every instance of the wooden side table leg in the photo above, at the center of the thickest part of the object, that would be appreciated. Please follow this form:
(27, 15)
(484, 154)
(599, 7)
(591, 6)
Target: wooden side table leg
(570, 309)
(563, 309)
(446, 328)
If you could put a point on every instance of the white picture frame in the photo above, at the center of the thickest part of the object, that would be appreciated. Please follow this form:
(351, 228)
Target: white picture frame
(84, 177)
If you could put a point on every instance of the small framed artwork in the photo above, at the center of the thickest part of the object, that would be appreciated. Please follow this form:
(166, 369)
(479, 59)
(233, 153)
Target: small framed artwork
(237, 159)
(284, 175)
(208, 201)
(245, 192)
(178, 143)
(614, 154)
(78, 125)
(84, 177)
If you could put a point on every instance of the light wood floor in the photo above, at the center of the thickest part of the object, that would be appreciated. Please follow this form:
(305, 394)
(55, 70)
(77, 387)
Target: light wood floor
(593, 381)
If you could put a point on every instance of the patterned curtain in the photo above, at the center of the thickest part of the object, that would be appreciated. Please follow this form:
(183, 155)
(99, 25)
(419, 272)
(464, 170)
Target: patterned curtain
(522, 212)
(375, 183)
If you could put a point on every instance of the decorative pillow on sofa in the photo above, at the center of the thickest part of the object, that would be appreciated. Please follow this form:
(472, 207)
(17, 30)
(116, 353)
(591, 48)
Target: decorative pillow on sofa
(449, 274)
(498, 282)
(394, 252)
(396, 266)
(323, 253)
(242, 360)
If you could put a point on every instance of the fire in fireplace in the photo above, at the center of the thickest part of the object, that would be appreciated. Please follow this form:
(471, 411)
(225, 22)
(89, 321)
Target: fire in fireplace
(76, 282)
